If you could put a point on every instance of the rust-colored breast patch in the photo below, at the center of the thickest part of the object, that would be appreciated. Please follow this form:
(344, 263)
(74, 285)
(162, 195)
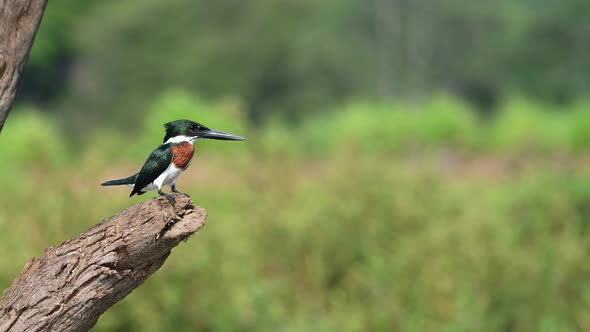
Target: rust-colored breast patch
(183, 153)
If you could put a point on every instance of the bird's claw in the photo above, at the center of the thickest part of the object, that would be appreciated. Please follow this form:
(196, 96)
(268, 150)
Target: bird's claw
(174, 190)
(170, 199)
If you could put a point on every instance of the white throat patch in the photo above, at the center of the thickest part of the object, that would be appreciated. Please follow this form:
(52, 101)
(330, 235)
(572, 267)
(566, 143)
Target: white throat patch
(181, 138)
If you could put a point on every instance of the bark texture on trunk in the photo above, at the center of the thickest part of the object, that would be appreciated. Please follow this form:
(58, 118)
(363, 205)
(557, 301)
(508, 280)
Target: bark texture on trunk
(19, 21)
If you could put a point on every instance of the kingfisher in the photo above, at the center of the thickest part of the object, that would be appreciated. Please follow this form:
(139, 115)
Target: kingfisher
(171, 158)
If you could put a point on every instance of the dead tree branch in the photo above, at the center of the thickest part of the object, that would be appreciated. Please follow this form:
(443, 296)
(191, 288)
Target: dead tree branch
(19, 21)
(71, 285)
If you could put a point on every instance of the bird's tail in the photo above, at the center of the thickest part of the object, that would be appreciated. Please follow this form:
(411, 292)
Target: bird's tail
(126, 181)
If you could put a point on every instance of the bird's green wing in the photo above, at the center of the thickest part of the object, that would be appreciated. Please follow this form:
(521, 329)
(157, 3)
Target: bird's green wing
(155, 165)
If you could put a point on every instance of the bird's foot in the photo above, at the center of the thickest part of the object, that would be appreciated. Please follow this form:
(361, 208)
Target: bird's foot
(174, 190)
(169, 197)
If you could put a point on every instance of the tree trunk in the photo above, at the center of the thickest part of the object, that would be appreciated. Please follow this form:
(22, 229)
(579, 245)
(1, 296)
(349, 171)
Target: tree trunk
(19, 21)
(71, 285)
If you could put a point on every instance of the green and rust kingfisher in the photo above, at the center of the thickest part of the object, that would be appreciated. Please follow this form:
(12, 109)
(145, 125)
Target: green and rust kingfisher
(168, 160)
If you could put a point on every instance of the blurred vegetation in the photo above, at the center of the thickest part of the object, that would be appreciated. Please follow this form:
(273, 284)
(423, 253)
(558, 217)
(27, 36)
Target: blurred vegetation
(409, 165)
(369, 219)
(289, 58)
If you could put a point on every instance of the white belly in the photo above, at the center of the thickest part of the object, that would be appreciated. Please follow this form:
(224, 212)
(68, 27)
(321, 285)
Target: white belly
(167, 178)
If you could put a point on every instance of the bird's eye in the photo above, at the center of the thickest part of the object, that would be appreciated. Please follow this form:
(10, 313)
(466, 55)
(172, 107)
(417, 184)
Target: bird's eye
(194, 128)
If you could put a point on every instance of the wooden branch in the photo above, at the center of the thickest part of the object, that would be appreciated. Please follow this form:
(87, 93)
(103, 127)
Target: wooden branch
(71, 285)
(19, 21)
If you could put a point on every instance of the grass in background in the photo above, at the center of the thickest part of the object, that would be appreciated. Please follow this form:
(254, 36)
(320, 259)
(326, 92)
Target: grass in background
(402, 217)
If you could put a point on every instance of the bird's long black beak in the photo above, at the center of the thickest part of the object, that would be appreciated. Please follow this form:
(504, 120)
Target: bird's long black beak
(220, 135)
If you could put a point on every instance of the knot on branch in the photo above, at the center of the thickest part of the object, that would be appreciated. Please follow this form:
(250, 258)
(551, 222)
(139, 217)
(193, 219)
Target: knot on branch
(71, 285)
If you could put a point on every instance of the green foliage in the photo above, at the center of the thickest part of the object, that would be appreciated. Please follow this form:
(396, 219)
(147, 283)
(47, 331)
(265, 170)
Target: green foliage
(413, 217)
(379, 129)
(32, 138)
(53, 51)
(209, 49)
(521, 126)
(527, 126)
(296, 57)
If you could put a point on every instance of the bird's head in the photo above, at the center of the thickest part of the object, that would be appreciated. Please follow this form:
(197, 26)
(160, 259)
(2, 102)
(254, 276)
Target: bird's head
(192, 131)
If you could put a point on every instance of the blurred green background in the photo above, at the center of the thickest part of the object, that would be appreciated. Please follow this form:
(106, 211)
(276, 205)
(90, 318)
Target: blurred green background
(411, 165)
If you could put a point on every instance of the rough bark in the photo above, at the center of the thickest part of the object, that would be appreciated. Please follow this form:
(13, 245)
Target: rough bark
(71, 285)
(19, 21)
